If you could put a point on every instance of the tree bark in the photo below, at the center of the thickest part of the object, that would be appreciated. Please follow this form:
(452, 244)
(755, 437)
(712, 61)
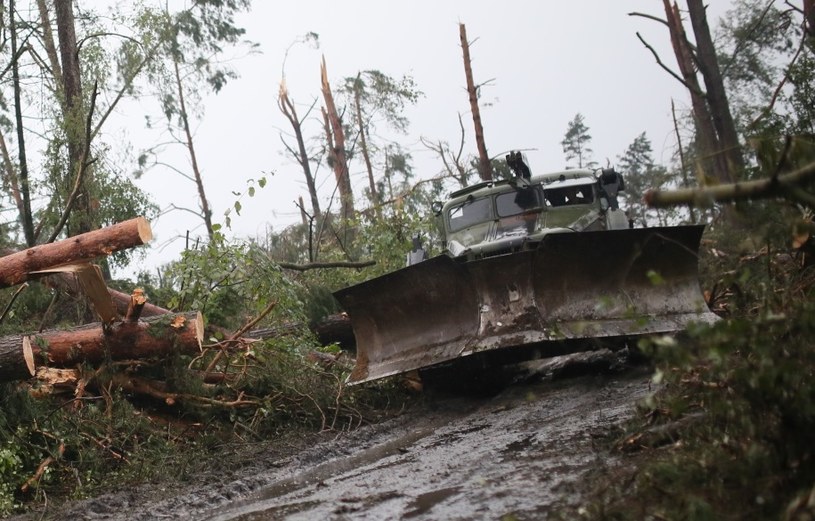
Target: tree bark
(333, 328)
(288, 110)
(716, 96)
(48, 43)
(122, 303)
(19, 267)
(74, 113)
(336, 144)
(789, 186)
(809, 20)
(484, 165)
(26, 217)
(708, 160)
(10, 182)
(154, 337)
(363, 143)
(16, 363)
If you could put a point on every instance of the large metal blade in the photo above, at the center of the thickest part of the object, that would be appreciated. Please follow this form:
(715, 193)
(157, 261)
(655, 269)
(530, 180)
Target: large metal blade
(410, 318)
(604, 284)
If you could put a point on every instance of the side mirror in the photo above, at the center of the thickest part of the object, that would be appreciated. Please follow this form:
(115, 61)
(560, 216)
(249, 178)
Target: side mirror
(436, 207)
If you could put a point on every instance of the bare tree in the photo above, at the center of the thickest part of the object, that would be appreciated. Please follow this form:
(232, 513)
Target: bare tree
(455, 165)
(363, 141)
(288, 109)
(720, 154)
(484, 164)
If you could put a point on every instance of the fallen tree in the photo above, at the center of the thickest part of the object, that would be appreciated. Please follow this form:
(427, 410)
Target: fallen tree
(16, 362)
(790, 185)
(93, 344)
(21, 266)
(153, 337)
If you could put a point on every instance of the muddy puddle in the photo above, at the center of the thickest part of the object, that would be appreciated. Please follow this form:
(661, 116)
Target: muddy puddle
(517, 453)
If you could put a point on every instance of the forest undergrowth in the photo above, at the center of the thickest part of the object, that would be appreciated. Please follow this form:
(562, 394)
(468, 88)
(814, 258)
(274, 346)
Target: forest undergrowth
(728, 435)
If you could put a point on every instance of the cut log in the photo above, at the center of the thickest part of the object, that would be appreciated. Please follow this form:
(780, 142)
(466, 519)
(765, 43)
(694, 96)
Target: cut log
(151, 338)
(18, 267)
(16, 359)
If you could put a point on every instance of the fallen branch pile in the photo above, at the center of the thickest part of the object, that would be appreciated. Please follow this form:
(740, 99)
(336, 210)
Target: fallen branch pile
(131, 333)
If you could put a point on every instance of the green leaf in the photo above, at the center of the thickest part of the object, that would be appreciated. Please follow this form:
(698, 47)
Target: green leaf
(262, 182)
(238, 207)
(655, 278)
(251, 191)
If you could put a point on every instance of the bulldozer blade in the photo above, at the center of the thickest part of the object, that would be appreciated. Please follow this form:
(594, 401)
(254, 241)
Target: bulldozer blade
(572, 286)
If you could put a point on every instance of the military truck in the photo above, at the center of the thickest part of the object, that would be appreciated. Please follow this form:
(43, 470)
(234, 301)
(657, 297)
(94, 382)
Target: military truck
(533, 266)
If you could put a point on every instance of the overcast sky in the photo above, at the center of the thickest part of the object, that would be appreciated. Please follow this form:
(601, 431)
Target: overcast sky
(547, 62)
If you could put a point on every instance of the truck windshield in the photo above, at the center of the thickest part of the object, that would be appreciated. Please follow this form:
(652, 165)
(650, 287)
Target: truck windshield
(520, 201)
(469, 213)
(570, 194)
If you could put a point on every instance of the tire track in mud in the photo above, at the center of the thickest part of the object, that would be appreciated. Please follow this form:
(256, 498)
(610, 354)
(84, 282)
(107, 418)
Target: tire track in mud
(519, 452)
(516, 453)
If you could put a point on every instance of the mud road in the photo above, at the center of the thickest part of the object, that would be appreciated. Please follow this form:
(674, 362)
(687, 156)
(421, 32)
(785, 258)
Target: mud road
(515, 455)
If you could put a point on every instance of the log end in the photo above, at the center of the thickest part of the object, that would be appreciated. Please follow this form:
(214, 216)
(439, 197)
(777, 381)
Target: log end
(144, 230)
(28, 355)
(199, 328)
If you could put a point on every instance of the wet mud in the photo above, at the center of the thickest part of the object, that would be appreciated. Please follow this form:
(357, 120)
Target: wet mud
(519, 453)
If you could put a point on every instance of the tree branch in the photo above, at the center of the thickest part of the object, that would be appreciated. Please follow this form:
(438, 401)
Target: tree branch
(787, 185)
(322, 265)
(667, 69)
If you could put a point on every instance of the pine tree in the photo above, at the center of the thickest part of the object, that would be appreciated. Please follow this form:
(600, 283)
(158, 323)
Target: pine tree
(641, 174)
(576, 142)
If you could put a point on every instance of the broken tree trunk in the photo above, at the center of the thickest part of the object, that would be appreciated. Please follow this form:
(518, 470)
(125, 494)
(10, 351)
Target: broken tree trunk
(19, 267)
(335, 136)
(93, 343)
(484, 164)
(709, 161)
(722, 118)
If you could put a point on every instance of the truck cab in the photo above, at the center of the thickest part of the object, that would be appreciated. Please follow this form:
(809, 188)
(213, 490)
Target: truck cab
(495, 217)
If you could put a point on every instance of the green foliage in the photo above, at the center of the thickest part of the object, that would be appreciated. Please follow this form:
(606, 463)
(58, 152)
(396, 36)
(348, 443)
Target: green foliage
(229, 283)
(236, 206)
(641, 174)
(381, 96)
(576, 142)
(11, 465)
(102, 441)
(737, 399)
(760, 44)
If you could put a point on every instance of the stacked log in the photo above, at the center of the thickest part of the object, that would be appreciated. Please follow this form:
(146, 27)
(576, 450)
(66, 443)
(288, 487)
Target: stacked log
(33, 262)
(154, 337)
(113, 338)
